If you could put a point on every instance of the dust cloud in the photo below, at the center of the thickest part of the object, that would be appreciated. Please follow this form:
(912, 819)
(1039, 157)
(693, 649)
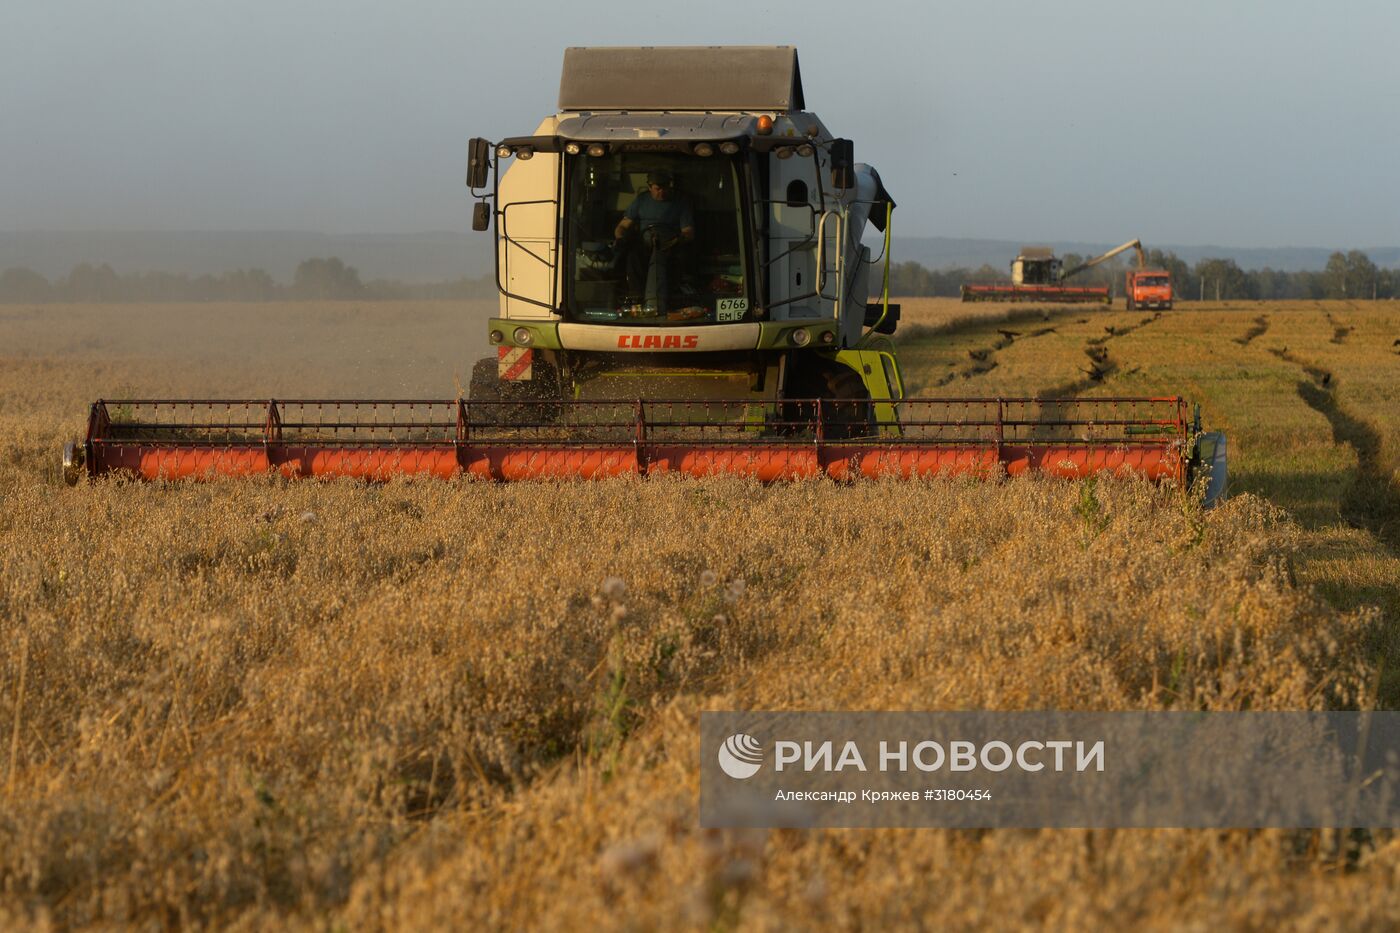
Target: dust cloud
(408, 349)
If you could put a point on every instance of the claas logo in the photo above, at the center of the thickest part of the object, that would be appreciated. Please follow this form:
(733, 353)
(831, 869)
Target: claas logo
(658, 341)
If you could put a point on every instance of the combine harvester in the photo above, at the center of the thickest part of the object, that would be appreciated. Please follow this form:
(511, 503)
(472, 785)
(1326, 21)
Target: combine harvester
(683, 289)
(1037, 275)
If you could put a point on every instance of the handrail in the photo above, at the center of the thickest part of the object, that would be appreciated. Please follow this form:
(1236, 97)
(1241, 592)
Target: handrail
(885, 288)
(821, 259)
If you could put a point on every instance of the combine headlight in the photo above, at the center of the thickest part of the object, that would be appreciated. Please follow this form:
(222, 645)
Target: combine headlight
(504, 152)
(729, 148)
(522, 336)
(573, 148)
(828, 337)
(497, 336)
(805, 151)
(800, 337)
(597, 149)
(783, 152)
(704, 150)
(524, 153)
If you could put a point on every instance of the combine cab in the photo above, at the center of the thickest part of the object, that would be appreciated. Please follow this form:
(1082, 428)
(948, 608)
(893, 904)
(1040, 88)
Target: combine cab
(685, 287)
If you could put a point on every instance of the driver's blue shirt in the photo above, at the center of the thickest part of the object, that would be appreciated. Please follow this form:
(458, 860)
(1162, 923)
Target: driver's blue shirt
(648, 212)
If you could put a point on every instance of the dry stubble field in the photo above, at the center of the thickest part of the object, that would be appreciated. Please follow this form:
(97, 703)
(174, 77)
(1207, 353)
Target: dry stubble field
(333, 705)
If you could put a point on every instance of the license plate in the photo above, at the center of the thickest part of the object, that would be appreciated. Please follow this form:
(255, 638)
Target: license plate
(731, 309)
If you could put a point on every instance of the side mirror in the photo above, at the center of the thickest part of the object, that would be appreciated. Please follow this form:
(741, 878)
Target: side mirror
(481, 216)
(843, 160)
(478, 162)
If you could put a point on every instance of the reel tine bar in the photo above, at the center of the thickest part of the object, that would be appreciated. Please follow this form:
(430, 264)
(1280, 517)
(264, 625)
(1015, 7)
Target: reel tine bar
(764, 439)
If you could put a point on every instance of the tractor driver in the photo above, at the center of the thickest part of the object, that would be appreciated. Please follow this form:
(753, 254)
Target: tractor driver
(666, 221)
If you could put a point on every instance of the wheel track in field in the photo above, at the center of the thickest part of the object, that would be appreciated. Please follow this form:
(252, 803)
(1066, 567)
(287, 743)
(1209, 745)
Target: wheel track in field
(1256, 330)
(1371, 501)
(1340, 331)
(1110, 331)
(1101, 365)
(970, 324)
(984, 358)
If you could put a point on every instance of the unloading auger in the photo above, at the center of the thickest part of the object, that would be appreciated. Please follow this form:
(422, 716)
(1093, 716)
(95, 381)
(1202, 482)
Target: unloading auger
(683, 289)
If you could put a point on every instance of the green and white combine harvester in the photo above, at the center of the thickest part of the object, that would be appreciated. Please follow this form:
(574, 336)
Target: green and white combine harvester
(684, 287)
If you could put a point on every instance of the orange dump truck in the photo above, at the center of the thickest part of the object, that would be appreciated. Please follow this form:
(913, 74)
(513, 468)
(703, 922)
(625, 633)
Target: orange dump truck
(1148, 288)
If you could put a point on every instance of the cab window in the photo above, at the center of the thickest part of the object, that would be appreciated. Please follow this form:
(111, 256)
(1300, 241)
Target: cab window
(655, 239)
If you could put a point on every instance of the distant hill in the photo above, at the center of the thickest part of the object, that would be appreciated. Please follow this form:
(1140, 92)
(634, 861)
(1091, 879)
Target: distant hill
(438, 257)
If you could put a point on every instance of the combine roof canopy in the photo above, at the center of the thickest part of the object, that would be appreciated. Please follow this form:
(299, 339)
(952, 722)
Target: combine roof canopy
(716, 77)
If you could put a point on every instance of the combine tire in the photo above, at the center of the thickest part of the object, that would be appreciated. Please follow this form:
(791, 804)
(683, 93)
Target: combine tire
(846, 411)
(486, 385)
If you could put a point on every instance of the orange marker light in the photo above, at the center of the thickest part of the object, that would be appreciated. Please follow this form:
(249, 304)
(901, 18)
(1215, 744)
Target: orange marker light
(765, 125)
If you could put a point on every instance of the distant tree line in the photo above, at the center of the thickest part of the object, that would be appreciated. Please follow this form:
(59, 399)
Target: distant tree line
(1347, 275)
(315, 279)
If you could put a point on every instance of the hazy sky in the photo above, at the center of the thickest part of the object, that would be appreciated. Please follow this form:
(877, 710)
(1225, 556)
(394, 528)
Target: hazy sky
(1235, 123)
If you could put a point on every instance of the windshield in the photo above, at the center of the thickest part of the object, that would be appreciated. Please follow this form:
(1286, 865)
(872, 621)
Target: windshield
(655, 238)
(1153, 280)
